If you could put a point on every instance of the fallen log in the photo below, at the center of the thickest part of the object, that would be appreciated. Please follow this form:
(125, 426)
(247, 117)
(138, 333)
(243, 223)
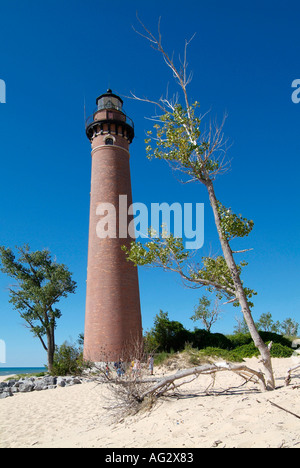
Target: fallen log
(164, 384)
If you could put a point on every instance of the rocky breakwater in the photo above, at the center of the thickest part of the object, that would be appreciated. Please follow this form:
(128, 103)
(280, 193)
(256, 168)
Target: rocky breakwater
(30, 384)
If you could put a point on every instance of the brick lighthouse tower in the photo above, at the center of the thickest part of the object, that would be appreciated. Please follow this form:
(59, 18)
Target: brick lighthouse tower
(113, 316)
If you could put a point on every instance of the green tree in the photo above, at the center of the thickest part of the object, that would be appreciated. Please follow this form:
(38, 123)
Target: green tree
(68, 360)
(166, 334)
(207, 315)
(41, 283)
(179, 139)
(241, 326)
(290, 327)
(266, 323)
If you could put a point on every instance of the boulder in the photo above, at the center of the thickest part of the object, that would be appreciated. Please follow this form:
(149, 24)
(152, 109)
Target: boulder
(26, 387)
(61, 382)
(6, 394)
(29, 384)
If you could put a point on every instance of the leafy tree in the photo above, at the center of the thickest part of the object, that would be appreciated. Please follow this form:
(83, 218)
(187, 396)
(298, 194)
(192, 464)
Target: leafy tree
(290, 327)
(241, 326)
(80, 340)
(41, 283)
(266, 323)
(68, 360)
(166, 334)
(179, 139)
(206, 315)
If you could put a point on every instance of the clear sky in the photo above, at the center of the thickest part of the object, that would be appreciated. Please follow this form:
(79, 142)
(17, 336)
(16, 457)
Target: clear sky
(56, 55)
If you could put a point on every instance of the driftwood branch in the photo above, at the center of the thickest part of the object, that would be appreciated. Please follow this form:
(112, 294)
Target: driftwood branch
(289, 372)
(164, 384)
(283, 409)
(132, 393)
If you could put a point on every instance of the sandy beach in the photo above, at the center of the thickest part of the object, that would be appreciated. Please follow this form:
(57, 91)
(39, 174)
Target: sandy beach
(75, 416)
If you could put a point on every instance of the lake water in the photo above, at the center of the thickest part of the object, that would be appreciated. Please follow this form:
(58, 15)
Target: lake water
(21, 370)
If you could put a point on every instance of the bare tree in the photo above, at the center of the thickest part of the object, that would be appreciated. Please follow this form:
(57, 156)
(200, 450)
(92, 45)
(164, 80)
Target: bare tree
(199, 154)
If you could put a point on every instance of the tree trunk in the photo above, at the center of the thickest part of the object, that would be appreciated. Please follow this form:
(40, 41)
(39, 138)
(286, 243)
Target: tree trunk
(240, 294)
(50, 349)
(167, 382)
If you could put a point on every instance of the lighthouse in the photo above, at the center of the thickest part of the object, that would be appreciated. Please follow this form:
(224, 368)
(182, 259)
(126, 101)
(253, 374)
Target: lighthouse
(113, 315)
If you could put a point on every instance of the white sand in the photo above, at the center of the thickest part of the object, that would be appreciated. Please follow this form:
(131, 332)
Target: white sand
(74, 417)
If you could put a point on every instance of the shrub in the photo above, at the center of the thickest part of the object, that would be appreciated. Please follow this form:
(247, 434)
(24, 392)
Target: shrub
(220, 353)
(246, 351)
(241, 339)
(160, 358)
(68, 360)
(269, 336)
(203, 339)
(280, 351)
(166, 335)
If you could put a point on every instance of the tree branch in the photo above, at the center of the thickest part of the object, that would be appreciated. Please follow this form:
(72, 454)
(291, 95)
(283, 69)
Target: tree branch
(289, 372)
(163, 385)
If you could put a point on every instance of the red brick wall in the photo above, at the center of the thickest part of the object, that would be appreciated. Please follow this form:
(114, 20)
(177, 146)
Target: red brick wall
(113, 314)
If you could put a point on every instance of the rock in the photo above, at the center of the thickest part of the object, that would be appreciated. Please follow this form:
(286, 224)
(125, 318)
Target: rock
(51, 387)
(11, 383)
(44, 383)
(61, 382)
(26, 387)
(68, 381)
(6, 394)
(49, 380)
(72, 381)
(29, 384)
(39, 385)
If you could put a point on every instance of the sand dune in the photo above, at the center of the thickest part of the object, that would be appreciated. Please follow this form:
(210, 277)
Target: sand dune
(75, 417)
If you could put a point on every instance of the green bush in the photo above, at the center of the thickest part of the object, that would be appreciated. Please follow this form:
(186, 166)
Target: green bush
(203, 339)
(269, 336)
(160, 358)
(280, 351)
(241, 339)
(68, 360)
(247, 351)
(219, 353)
(166, 334)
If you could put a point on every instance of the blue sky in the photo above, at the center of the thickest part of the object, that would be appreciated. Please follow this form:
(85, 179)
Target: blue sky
(57, 55)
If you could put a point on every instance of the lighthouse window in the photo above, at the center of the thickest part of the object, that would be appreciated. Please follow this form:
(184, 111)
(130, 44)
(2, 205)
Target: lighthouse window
(109, 141)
